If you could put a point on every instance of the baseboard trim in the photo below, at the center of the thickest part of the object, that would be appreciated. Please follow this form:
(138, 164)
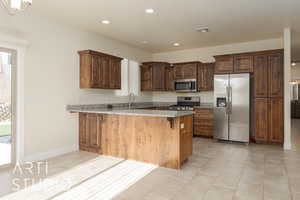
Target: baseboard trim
(287, 146)
(52, 153)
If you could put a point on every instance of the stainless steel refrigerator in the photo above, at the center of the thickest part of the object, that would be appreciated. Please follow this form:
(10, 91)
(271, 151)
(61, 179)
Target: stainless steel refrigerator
(232, 107)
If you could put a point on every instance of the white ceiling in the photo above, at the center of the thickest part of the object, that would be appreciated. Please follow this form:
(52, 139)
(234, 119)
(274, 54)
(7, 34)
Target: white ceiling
(230, 21)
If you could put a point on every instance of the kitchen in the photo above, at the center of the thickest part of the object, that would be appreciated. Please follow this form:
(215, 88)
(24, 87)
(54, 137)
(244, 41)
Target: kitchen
(165, 100)
(247, 104)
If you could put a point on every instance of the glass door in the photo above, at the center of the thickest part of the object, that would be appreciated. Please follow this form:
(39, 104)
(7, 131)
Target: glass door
(6, 147)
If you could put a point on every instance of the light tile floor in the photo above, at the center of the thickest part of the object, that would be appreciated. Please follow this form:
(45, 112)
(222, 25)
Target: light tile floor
(215, 171)
(218, 171)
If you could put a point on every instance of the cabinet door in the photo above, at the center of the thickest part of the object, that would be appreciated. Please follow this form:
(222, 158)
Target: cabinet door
(224, 64)
(115, 74)
(261, 76)
(94, 130)
(203, 122)
(201, 79)
(146, 78)
(169, 78)
(243, 63)
(210, 76)
(190, 71)
(275, 75)
(261, 119)
(90, 130)
(158, 78)
(179, 72)
(276, 120)
(206, 77)
(105, 75)
(96, 72)
(84, 139)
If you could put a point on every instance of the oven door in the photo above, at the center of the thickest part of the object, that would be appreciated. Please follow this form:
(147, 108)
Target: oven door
(187, 85)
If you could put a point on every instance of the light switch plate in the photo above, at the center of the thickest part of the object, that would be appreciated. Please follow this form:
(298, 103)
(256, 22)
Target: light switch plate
(182, 126)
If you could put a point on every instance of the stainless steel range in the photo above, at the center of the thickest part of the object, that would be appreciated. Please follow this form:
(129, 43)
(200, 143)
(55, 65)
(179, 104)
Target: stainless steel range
(186, 103)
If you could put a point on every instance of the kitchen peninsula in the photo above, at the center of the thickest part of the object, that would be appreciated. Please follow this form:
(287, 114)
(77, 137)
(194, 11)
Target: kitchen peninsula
(160, 137)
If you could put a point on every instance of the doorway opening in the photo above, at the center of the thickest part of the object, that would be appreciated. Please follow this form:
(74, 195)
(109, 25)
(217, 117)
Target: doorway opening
(6, 107)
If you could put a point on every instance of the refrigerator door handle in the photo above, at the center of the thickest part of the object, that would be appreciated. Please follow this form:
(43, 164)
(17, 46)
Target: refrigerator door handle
(230, 100)
(229, 95)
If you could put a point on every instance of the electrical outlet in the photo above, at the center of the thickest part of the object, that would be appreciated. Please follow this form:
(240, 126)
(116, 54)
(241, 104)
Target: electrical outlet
(182, 126)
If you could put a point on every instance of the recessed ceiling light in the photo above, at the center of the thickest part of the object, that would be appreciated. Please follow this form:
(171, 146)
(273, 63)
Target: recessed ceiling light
(149, 10)
(294, 64)
(176, 44)
(202, 29)
(105, 22)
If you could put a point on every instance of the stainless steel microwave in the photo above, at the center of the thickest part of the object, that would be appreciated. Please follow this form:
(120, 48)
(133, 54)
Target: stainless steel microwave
(186, 85)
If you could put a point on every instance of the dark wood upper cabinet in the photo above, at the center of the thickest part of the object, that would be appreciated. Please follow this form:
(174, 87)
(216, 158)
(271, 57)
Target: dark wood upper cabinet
(275, 62)
(158, 78)
(186, 70)
(276, 120)
(146, 78)
(243, 63)
(261, 76)
(99, 70)
(115, 74)
(169, 78)
(206, 77)
(224, 64)
(268, 75)
(178, 72)
(261, 119)
(153, 76)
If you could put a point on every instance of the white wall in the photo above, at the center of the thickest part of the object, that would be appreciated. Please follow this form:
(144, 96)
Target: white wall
(51, 80)
(206, 55)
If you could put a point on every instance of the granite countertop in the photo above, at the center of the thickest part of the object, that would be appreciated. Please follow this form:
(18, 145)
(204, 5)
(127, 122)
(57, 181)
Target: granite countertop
(139, 112)
(123, 109)
(136, 109)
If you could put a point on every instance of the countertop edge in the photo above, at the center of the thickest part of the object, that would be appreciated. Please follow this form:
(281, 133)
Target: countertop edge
(176, 113)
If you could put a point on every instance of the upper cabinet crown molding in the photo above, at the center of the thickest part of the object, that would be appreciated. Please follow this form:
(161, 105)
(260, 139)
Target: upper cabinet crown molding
(99, 70)
(92, 52)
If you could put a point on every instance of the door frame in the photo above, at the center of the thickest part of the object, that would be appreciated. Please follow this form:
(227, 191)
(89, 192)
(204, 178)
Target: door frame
(9, 41)
(13, 104)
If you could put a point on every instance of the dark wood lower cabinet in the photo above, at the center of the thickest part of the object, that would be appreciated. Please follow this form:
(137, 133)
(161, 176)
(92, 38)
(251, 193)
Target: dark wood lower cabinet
(203, 122)
(261, 119)
(90, 130)
(276, 120)
(269, 120)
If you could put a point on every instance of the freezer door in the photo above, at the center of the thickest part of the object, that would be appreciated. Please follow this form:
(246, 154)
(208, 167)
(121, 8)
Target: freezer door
(221, 119)
(239, 123)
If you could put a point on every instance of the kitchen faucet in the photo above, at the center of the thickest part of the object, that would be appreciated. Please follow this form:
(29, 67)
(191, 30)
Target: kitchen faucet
(131, 99)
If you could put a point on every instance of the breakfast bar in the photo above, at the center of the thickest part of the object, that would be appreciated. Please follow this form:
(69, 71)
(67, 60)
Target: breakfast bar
(159, 137)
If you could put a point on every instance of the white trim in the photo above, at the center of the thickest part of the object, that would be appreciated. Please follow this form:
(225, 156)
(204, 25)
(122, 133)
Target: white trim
(19, 45)
(52, 153)
(287, 95)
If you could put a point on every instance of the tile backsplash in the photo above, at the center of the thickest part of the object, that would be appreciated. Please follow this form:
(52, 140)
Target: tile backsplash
(206, 97)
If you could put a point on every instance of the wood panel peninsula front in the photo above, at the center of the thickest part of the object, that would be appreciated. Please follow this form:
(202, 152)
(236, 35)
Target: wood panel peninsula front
(162, 138)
